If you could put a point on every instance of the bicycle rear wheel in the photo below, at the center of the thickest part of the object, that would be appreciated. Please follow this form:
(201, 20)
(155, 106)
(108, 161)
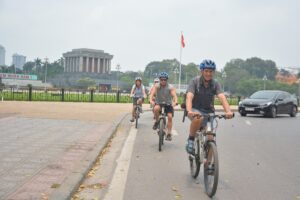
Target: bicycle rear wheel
(195, 160)
(211, 169)
(161, 134)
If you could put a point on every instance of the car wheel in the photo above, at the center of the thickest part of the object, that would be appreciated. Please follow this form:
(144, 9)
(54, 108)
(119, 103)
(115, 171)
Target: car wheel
(273, 112)
(293, 112)
(242, 113)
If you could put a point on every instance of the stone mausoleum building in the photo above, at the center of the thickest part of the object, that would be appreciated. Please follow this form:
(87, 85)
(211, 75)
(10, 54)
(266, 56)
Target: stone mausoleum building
(87, 60)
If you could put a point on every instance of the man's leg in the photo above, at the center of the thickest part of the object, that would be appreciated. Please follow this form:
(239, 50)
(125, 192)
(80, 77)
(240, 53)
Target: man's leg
(140, 103)
(169, 126)
(194, 127)
(133, 113)
(156, 111)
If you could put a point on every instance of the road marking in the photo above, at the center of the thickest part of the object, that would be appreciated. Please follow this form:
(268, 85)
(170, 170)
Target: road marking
(117, 185)
(248, 122)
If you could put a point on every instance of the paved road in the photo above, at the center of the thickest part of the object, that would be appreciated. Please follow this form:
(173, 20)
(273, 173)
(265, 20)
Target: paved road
(259, 159)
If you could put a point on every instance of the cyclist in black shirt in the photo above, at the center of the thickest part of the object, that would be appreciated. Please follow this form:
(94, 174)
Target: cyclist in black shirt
(200, 99)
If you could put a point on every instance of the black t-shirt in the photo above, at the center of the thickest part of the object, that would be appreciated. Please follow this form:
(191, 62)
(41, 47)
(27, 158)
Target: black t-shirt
(204, 96)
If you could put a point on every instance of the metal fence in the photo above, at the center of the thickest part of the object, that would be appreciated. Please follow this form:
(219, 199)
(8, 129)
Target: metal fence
(77, 95)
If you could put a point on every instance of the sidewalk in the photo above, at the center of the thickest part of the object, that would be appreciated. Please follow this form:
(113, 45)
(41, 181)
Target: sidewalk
(47, 147)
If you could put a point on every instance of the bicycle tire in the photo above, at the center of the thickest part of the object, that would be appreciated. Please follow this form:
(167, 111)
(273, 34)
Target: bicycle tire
(161, 134)
(136, 117)
(211, 174)
(195, 160)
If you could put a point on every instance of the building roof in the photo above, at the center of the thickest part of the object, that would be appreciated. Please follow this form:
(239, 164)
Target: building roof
(88, 52)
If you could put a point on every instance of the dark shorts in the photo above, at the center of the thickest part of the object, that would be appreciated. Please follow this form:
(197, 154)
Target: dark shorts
(169, 109)
(134, 100)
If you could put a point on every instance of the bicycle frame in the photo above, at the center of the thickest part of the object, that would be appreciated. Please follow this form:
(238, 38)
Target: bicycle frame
(162, 126)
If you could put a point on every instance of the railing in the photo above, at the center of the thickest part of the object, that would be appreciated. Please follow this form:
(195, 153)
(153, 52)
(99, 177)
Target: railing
(77, 95)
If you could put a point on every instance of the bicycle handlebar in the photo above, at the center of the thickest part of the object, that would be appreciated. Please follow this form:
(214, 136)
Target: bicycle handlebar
(213, 115)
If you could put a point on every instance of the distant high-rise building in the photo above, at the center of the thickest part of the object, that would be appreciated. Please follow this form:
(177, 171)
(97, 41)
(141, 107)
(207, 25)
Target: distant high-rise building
(18, 60)
(2, 55)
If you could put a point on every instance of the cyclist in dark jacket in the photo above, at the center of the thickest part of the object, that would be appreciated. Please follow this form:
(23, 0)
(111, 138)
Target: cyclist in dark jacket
(200, 99)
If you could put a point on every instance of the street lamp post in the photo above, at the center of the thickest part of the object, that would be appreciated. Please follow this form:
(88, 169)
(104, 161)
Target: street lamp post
(224, 76)
(46, 62)
(265, 79)
(176, 71)
(118, 67)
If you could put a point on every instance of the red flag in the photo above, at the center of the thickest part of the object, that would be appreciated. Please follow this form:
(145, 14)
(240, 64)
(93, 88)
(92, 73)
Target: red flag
(182, 41)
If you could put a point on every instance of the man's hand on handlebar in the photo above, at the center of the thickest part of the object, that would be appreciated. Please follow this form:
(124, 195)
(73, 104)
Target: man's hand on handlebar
(194, 114)
(229, 115)
(152, 103)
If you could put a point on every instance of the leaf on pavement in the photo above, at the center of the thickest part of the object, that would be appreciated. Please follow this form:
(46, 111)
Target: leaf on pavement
(174, 189)
(55, 185)
(178, 196)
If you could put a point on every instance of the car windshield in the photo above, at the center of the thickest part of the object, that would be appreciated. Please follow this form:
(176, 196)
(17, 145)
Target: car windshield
(263, 95)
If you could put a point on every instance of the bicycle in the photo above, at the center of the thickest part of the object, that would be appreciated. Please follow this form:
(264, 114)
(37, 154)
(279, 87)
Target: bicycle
(138, 111)
(205, 152)
(162, 125)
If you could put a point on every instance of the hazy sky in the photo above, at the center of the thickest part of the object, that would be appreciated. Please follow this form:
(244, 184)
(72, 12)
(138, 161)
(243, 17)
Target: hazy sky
(137, 32)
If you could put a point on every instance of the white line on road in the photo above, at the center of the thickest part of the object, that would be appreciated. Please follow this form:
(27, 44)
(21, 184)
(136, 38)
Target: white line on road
(117, 186)
(248, 122)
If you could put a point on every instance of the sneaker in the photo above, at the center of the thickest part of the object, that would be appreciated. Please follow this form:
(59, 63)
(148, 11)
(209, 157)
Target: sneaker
(190, 146)
(169, 137)
(155, 125)
(132, 120)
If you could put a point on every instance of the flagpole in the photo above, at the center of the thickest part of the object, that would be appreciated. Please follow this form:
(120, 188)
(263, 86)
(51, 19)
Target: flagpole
(179, 81)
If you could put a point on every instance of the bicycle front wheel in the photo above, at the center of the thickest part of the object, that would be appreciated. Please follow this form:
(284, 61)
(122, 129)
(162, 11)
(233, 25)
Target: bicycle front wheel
(195, 160)
(211, 169)
(161, 134)
(137, 115)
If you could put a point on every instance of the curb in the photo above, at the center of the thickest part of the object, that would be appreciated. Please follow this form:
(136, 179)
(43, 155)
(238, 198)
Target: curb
(70, 185)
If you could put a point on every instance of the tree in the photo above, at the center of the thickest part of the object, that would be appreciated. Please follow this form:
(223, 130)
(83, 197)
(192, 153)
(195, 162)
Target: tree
(28, 67)
(259, 68)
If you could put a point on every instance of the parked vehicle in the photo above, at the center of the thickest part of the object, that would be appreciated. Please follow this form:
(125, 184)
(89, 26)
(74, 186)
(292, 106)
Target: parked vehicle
(269, 103)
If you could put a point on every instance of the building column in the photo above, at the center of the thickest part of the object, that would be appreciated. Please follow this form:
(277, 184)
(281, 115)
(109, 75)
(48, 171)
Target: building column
(93, 65)
(68, 64)
(71, 64)
(101, 65)
(109, 66)
(98, 65)
(80, 64)
(65, 64)
(77, 64)
(87, 64)
(104, 65)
